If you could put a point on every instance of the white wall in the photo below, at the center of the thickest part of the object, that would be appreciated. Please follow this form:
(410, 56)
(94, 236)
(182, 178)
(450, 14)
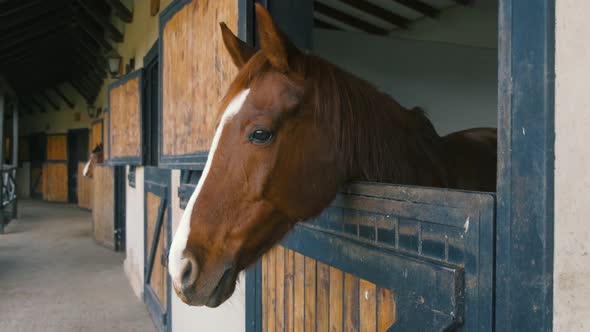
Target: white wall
(448, 65)
(134, 229)
(455, 84)
(572, 168)
(230, 316)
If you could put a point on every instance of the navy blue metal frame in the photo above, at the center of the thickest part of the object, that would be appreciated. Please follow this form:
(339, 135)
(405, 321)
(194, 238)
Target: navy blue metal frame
(127, 160)
(525, 219)
(157, 181)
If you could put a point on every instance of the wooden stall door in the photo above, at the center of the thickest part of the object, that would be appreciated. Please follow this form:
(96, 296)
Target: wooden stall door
(157, 240)
(77, 152)
(55, 169)
(108, 206)
(84, 189)
(381, 258)
(103, 205)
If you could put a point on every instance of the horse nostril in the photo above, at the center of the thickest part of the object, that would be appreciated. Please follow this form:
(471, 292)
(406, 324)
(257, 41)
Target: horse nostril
(189, 272)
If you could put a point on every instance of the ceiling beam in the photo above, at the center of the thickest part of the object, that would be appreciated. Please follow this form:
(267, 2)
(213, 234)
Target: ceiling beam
(321, 24)
(51, 102)
(63, 97)
(32, 36)
(36, 103)
(44, 7)
(95, 34)
(348, 19)
(11, 9)
(421, 7)
(81, 90)
(464, 2)
(121, 10)
(378, 12)
(82, 45)
(103, 21)
(26, 107)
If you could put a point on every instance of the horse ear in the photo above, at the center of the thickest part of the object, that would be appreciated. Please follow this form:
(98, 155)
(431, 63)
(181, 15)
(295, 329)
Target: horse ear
(239, 51)
(274, 43)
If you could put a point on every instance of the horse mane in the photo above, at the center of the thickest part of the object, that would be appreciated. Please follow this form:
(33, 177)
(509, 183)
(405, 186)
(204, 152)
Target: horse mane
(97, 148)
(378, 139)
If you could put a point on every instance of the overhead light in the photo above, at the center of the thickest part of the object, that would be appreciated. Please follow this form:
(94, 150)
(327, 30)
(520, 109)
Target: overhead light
(114, 65)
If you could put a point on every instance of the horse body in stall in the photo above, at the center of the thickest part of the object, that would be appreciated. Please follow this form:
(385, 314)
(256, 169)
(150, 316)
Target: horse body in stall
(96, 156)
(294, 129)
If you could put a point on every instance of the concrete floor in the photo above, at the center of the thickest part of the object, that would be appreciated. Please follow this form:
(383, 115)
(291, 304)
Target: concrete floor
(53, 277)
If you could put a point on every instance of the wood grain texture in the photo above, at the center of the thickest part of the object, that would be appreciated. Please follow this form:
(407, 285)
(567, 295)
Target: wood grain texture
(103, 203)
(322, 299)
(386, 311)
(310, 295)
(96, 133)
(55, 182)
(351, 303)
(124, 109)
(196, 73)
(271, 288)
(84, 188)
(289, 288)
(368, 306)
(280, 285)
(299, 304)
(105, 137)
(57, 147)
(302, 294)
(158, 275)
(336, 297)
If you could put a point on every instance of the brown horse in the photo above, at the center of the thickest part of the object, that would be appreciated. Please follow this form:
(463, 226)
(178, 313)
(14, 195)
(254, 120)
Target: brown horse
(294, 129)
(96, 156)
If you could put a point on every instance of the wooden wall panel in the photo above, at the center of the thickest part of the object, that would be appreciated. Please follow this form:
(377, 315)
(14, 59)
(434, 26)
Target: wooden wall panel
(84, 188)
(159, 272)
(55, 181)
(125, 118)
(57, 147)
(96, 133)
(196, 73)
(103, 205)
(302, 294)
(105, 136)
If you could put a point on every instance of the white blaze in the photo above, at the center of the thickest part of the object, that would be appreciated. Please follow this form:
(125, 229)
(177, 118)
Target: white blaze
(181, 236)
(85, 171)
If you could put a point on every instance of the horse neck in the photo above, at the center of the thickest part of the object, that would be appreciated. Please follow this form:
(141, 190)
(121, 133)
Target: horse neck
(387, 143)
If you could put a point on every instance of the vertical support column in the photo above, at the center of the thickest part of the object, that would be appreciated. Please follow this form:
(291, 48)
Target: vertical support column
(2, 99)
(15, 114)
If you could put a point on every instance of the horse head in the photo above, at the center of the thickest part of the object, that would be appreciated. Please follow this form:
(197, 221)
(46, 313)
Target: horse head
(96, 156)
(272, 163)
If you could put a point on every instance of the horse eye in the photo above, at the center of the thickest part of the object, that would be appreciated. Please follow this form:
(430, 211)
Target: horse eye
(260, 136)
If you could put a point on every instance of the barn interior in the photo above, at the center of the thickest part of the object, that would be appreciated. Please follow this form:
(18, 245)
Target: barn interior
(440, 55)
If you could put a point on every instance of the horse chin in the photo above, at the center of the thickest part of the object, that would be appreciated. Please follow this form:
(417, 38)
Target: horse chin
(221, 293)
(224, 289)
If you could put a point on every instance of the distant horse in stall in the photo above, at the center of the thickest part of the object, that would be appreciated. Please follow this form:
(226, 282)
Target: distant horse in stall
(294, 129)
(96, 156)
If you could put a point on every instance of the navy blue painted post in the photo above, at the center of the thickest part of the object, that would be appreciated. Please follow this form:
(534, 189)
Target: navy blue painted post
(524, 257)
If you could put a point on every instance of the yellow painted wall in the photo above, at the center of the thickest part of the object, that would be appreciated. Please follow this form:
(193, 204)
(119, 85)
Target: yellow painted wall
(53, 121)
